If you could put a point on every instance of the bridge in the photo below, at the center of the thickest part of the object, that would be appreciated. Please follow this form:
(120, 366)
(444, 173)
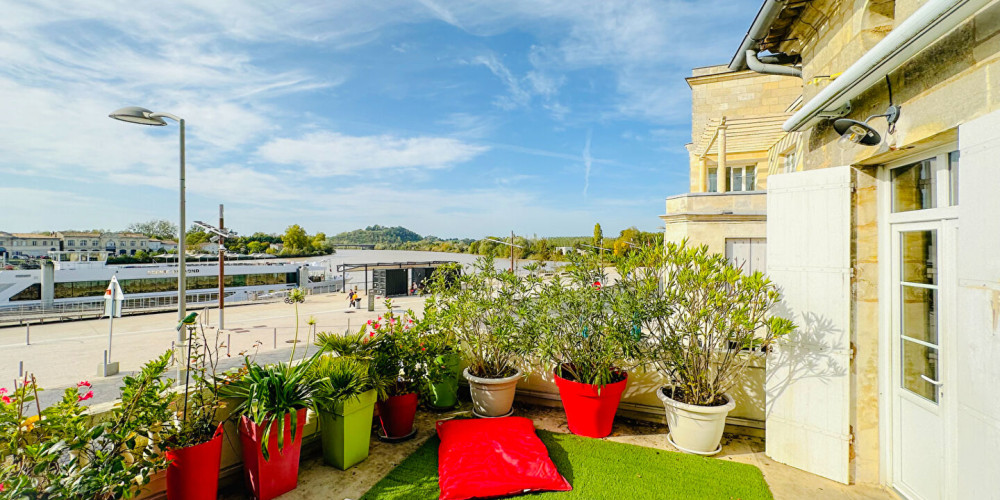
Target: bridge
(359, 246)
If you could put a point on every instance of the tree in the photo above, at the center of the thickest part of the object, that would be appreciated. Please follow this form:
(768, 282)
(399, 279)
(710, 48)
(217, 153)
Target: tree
(256, 246)
(160, 229)
(295, 239)
(196, 236)
(598, 235)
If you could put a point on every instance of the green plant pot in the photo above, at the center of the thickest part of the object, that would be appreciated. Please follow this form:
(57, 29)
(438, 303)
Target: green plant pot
(444, 393)
(346, 431)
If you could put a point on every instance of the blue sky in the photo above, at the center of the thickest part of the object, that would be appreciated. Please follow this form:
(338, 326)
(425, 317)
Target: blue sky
(450, 118)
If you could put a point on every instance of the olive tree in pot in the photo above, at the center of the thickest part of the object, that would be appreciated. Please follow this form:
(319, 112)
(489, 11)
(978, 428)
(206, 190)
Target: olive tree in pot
(717, 321)
(490, 310)
(592, 334)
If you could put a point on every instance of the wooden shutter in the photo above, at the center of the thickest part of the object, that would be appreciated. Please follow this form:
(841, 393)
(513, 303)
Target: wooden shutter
(808, 391)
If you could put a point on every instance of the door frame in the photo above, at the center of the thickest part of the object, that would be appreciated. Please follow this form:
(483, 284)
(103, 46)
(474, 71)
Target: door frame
(886, 219)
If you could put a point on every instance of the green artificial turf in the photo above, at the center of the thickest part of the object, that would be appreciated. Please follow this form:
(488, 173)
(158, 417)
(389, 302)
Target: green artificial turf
(598, 469)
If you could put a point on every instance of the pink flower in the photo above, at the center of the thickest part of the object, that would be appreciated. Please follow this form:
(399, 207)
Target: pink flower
(83, 383)
(372, 334)
(5, 399)
(1, 487)
(410, 320)
(3, 390)
(392, 321)
(369, 322)
(86, 396)
(380, 318)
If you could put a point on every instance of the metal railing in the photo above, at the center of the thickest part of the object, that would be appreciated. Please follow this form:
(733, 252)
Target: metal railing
(94, 308)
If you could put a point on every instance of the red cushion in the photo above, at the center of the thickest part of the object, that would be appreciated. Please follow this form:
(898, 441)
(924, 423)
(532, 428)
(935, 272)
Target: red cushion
(482, 458)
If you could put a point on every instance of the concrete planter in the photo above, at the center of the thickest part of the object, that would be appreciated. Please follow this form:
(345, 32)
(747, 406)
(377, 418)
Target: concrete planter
(492, 397)
(346, 431)
(695, 429)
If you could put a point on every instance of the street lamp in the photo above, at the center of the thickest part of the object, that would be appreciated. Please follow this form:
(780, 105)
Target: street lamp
(143, 116)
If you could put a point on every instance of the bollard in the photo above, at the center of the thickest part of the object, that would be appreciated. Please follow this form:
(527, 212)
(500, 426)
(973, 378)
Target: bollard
(276, 338)
(20, 369)
(229, 342)
(27, 334)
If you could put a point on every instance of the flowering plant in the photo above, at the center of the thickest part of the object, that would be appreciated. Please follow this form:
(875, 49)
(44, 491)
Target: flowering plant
(60, 452)
(391, 346)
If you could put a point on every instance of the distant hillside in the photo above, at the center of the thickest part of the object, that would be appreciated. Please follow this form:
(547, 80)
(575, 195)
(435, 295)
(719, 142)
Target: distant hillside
(376, 235)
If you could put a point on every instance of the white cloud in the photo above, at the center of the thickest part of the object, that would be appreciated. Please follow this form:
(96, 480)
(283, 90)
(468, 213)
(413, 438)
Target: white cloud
(325, 154)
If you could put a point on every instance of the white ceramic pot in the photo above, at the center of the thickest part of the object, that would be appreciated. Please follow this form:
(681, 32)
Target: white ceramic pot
(492, 397)
(696, 429)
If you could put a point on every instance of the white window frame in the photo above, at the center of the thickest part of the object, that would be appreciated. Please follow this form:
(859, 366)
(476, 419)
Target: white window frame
(743, 177)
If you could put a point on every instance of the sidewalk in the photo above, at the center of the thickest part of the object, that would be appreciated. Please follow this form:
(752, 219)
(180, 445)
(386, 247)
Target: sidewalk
(61, 354)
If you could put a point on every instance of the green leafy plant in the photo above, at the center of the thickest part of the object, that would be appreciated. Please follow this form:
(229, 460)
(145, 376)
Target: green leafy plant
(60, 452)
(389, 345)
(196, 419)
(716, 320)
(337, 379)
(489, 312)
(266, 393)
(593, 330)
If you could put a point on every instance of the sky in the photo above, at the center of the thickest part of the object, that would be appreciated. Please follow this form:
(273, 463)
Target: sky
(456, 119)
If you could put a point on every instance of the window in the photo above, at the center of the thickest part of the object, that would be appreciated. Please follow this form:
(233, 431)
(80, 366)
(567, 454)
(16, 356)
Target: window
(34, 243)
(70, 243)
(788, 161)
(96, 243)
(953, 177)
(33, 292)
(713, 180)
(743, 178)
(913, 186)
(131, 243)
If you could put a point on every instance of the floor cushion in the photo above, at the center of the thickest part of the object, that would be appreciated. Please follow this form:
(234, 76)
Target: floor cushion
(490, 457)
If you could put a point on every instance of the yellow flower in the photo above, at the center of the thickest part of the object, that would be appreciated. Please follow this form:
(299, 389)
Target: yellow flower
(29, 423)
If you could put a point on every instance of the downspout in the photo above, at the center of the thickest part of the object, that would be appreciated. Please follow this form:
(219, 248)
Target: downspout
(755, 64)
(765, 16)
(917, 32)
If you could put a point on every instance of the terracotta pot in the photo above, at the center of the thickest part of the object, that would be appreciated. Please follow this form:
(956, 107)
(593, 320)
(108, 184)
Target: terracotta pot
(695, 429)
(267, 479)
(492, 397)
(590, 409)
(193, 473)
(396, 414)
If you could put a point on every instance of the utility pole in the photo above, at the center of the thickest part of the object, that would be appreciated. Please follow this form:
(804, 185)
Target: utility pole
(220, 236)
(222, 270)
(512, 252)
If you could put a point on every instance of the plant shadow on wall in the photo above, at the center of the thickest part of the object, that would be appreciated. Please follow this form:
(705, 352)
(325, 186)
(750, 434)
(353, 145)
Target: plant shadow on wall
(804, 354)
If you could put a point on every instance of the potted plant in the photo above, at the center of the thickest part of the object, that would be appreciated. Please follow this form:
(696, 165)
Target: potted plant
(591, 336)
(440, 358)
(389, 344)
(193, 440)
(717, 320)
(489, 311)
(61, 452)
(345, 400)
(271, 408)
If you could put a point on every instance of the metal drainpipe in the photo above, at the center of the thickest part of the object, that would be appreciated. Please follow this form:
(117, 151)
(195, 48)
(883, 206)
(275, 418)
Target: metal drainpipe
(758, 66)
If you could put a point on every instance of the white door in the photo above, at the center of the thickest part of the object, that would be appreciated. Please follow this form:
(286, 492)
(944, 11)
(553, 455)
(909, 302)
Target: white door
(921, 280)
(747, 254)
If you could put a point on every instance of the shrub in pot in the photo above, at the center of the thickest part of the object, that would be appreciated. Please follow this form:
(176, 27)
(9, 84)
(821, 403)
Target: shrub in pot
(441, 360)
(390, 347)
(715, 321)
(60, 452)
(591, 335)
(345, 401)
(490, 313)
(193, 440)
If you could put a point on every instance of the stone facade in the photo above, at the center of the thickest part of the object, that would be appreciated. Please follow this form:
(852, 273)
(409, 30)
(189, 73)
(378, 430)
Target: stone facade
(73, 242)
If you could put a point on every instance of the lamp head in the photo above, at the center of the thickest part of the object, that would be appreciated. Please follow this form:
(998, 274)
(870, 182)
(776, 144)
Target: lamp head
(135, 114)
(855, 132)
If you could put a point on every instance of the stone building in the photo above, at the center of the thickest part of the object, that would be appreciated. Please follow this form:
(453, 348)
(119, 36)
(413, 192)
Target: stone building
(884, 238)
(736, 119)
(27, 244)
(113, 244)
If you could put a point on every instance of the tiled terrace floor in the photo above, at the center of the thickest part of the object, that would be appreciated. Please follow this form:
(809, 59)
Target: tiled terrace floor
(317, 480)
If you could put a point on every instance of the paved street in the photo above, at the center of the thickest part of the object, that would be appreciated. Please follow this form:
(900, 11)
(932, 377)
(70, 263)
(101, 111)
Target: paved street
(61, 354)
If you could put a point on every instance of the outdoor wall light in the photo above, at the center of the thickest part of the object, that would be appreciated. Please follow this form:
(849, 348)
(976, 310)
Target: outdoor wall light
(855, 132)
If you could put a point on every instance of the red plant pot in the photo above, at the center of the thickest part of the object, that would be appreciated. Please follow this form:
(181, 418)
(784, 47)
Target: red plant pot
(396, 415)
(193, 473)
(590, 409)
(267, 479)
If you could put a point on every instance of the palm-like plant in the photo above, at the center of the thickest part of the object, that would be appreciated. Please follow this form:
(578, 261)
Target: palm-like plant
(266, 393)
(338, 379)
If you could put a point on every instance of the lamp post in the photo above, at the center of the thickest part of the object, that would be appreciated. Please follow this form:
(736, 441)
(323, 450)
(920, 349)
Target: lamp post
(143, 116)
(220, 236)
